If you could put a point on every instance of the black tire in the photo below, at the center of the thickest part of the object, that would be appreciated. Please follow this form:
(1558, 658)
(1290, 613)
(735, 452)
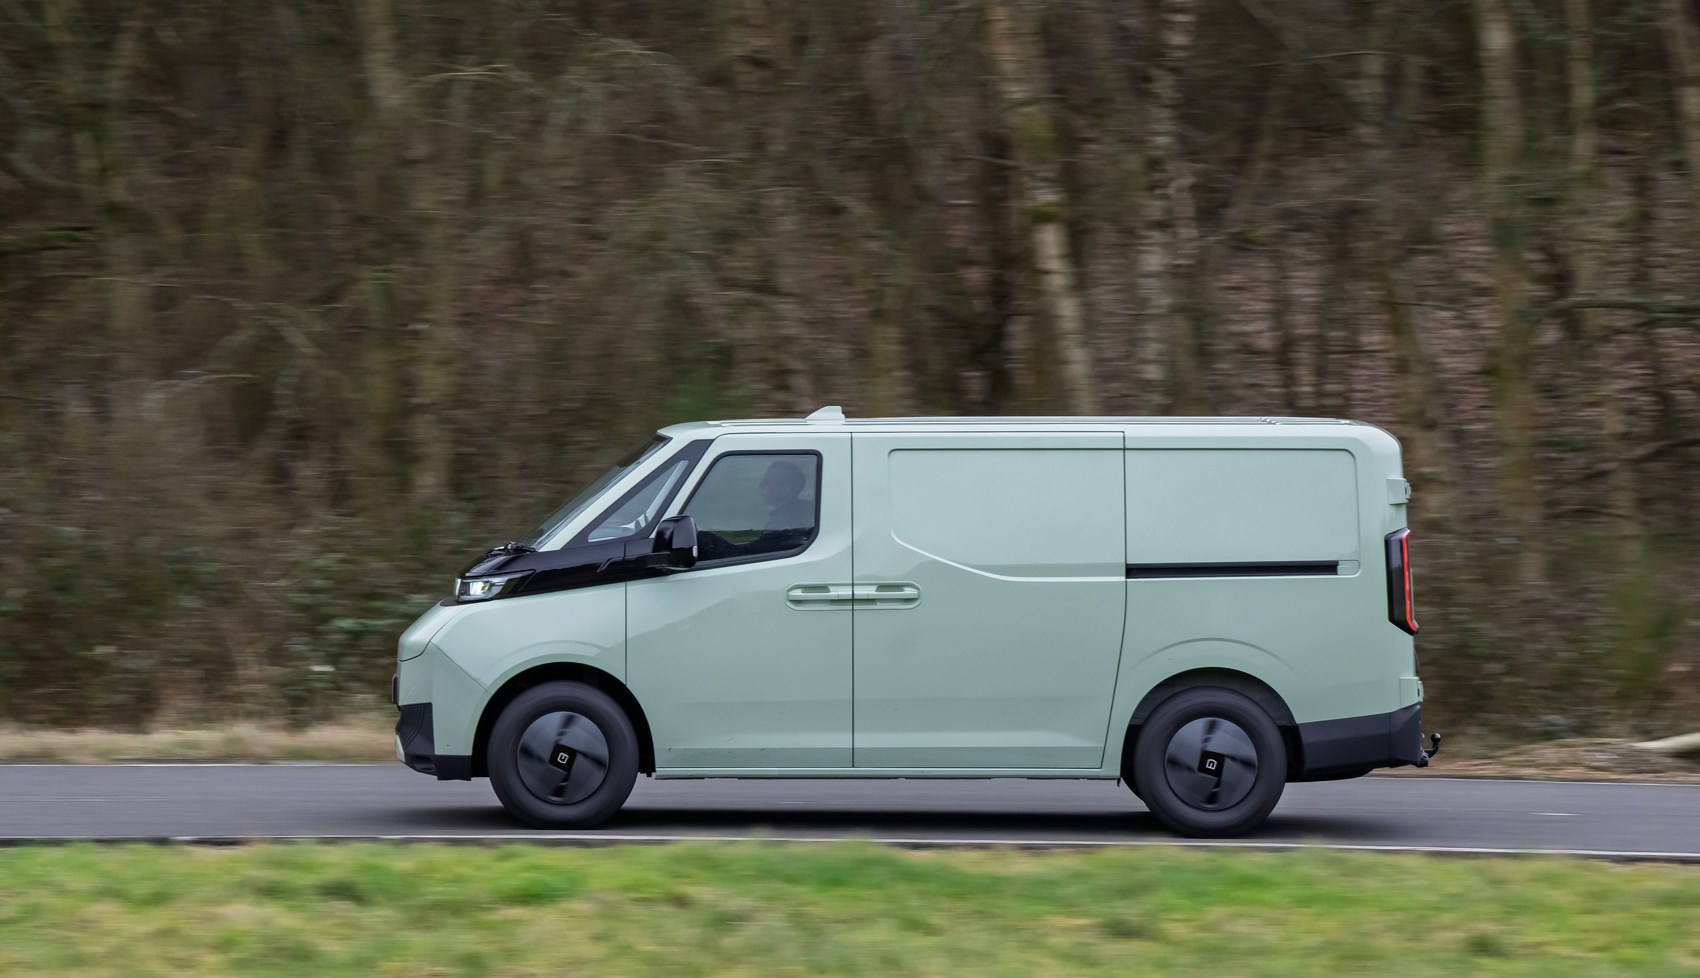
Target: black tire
(1224, 732)
(571, 723)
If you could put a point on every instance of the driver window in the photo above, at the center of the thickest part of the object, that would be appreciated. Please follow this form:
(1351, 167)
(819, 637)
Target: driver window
(755, 504)
(638, 513)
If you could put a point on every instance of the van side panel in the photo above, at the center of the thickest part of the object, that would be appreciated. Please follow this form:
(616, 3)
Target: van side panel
(1010, 549)
(1254, 505)
(1265, 557)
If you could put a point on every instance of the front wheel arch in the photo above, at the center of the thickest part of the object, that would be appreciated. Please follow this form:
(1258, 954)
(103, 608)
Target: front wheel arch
(565, 672)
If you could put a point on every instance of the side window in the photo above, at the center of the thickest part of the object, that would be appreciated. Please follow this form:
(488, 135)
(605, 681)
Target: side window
(638, 513)
(755, 504)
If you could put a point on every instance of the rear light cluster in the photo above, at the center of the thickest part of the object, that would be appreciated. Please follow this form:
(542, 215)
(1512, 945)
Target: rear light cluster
(1400, 610)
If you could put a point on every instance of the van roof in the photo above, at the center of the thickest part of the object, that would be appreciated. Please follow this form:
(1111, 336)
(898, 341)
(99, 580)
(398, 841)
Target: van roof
(834, 417)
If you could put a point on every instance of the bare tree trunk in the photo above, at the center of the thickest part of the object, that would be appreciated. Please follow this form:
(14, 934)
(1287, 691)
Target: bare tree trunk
(1012, 35)
(1167, 353)
(776, 348)
(405, 142)
(1681, 29)
(1587, 245)
(1286, 341)
(1643, 247)
(1331, 396)
(372, 455)
(1004, 318)
(434, 360)
(1418, 400)
(883, 378)
(94, 133)
(1514, 390)
(1211, 253)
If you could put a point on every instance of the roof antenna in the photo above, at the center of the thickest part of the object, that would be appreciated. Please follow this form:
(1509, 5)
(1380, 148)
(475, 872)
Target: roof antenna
(831, 412)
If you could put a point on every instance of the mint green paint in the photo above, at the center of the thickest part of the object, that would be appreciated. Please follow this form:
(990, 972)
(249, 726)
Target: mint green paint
(496, 641)
(734, 665)
(1201, 504)
(1008, 658)
(478, 647)
(964, 609)
(423, 629)
(456, 698)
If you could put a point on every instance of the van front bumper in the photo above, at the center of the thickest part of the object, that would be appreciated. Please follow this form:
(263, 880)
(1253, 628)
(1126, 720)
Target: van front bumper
(1347, 748)
(415, 746)
(439, 706)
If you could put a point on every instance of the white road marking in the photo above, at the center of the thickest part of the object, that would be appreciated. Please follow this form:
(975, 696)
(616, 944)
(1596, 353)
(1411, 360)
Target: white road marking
(1381, 779)
(1559, 814)
(1534, 780)
(593, 838)
(605, 838)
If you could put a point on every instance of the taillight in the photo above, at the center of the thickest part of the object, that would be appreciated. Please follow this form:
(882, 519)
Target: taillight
(1400, 610)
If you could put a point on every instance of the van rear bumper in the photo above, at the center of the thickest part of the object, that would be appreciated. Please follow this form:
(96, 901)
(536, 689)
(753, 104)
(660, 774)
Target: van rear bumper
(1346, 748)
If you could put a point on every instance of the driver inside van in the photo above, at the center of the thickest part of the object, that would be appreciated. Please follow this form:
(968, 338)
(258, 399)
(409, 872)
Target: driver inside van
(739, 519)
(781, 489)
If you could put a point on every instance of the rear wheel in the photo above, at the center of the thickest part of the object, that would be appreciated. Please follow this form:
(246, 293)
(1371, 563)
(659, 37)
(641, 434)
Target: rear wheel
(1210, 762)
(562, 756)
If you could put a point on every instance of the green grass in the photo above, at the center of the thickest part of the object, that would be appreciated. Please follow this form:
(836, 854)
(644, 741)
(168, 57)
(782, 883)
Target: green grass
(762, 909)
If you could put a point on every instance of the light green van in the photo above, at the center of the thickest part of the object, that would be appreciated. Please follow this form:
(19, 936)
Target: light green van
(1204, 608)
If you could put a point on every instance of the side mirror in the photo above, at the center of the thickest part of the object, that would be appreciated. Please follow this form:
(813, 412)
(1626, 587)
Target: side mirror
(677, 538)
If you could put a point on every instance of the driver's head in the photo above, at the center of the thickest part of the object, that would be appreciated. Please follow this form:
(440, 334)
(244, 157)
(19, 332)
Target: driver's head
(782, 483)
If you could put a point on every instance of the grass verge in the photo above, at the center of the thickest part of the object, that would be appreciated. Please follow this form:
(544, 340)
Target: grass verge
(763, 909)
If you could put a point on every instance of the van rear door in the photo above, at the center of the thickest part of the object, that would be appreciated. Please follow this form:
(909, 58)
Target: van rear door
(989, 591)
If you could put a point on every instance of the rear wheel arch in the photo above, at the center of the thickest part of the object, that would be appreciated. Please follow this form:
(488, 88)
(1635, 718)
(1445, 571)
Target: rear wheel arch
(1212, 762)
(1245, 684)
(567, 672)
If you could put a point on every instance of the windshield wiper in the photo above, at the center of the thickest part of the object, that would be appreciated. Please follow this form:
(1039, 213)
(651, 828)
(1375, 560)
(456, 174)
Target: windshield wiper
(512, 547)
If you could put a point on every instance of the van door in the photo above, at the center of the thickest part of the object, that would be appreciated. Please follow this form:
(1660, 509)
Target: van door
(990, 587)
(743, 661)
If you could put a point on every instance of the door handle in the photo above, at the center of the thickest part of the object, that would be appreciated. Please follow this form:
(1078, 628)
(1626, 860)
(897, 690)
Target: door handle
(816, 597)
(889, 595)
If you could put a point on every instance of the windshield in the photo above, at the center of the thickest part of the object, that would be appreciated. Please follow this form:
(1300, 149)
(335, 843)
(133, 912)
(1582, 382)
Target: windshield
(588, 495)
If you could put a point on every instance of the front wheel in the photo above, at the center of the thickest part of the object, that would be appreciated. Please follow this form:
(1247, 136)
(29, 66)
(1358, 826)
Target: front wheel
(1210, 762)
(562, 755)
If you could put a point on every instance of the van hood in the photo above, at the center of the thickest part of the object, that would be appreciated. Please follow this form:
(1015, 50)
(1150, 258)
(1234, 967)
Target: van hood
(582, 565)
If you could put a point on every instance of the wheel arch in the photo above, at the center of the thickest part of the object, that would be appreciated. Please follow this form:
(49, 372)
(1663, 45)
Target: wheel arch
(1243, 683)
(562, 672)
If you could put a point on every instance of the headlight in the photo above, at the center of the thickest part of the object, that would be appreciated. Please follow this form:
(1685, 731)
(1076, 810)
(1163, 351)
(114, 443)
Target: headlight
(486, 588)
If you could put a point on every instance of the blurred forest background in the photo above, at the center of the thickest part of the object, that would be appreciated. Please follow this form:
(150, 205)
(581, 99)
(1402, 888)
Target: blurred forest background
(303, 302)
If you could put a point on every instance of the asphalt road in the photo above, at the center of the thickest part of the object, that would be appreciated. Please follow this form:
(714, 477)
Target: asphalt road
(201, 802)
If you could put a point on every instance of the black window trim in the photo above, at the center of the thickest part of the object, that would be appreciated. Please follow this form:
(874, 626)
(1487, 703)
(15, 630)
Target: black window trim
(691, 453)
(820, 472)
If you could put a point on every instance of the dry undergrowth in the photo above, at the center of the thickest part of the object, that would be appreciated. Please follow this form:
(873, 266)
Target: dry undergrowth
(1580, 759)
(351, 740)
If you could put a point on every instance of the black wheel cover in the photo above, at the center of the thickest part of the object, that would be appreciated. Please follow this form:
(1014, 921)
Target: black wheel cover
(562, 755)
(1211, 764)
(540, 757)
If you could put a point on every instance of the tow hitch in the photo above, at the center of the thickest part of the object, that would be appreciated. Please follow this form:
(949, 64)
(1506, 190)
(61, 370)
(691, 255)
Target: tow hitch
(1432, 749)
